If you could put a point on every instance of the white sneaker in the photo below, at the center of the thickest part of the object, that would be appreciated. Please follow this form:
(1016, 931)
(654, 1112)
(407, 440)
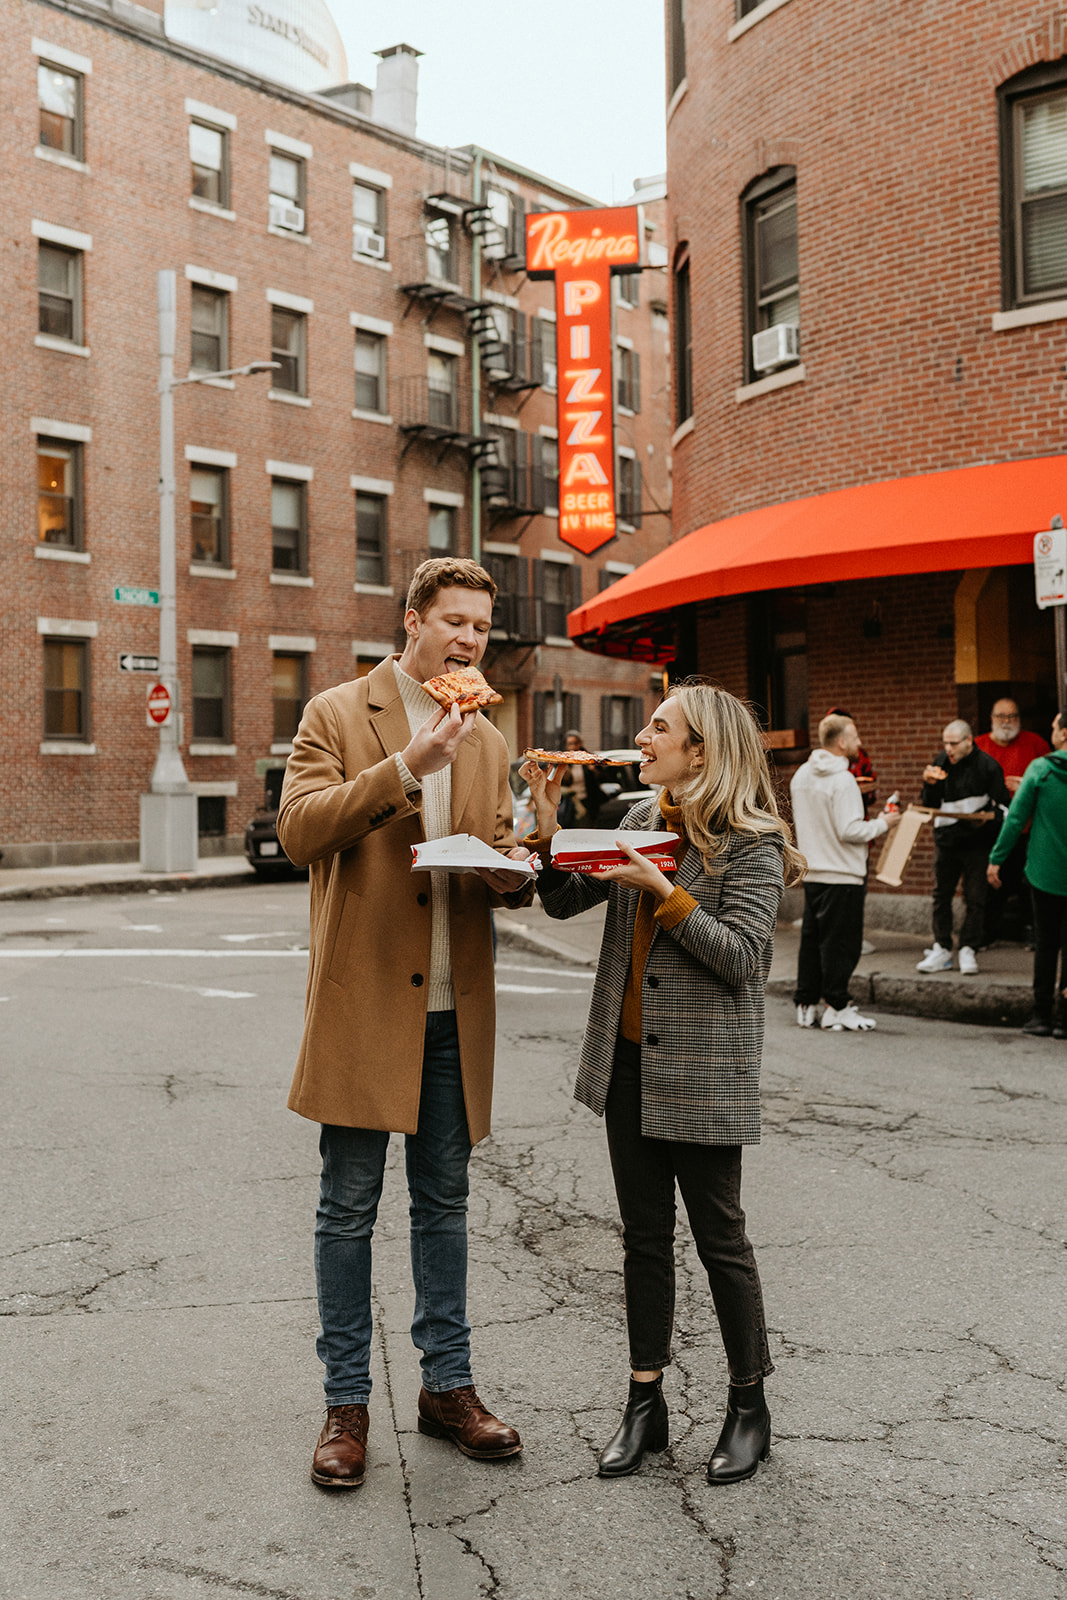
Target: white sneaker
(806, 1016)
(968, 960)
(848, 1017)
(937, 960)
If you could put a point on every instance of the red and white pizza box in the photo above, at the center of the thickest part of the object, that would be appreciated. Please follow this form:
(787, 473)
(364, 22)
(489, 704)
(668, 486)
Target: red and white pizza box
(594, 849)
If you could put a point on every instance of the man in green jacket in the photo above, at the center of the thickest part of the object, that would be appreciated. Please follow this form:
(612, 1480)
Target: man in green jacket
(1041, 800)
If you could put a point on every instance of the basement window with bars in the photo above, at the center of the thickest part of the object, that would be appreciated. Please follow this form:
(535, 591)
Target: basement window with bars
(1034, 187)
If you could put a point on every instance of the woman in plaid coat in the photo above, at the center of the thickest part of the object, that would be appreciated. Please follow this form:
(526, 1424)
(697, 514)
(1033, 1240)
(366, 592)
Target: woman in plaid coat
(672, 1052)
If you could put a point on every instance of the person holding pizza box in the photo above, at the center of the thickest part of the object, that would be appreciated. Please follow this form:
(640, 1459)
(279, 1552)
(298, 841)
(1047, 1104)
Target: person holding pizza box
(671, 1056)
(399, 1027)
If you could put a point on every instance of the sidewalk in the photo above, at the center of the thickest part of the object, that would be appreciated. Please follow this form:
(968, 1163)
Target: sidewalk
(119, 877)
(885, 980)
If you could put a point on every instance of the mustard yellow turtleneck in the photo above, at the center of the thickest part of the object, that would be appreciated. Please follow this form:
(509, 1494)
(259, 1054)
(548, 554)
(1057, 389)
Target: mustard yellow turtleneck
(650, 915)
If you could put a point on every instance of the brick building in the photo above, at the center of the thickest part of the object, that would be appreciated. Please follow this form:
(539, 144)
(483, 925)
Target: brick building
(412, 411)
(868, 233)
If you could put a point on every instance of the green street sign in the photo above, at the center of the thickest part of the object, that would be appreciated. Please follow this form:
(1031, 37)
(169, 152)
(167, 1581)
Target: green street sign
(126, 595)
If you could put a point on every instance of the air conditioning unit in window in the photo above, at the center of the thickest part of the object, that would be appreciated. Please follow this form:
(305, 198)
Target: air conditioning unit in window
(283, 215)
(773, 347)
(365, 242)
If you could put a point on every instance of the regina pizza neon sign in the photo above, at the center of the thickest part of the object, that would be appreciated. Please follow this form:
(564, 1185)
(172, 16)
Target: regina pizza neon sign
(580, 250)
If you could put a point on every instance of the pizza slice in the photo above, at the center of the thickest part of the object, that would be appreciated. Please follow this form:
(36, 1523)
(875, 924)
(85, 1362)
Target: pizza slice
(576, 758)
(466, 689)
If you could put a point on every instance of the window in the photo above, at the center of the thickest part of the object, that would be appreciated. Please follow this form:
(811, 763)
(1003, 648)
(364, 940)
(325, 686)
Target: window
(442, 372)
(442, 530)
(627, 378)
(683, 346)
(543, 351)
(439, 262)
(66, 689)
(59, 518)
(289, 690)
(288, 525)
(370, 371)
(368, 226)
(558, 587)
(60, 101)
(1034, 137)
(211, 694)
(778, 658)
(209, 320)
(372, 550)
(553, 718)
(208, 154)
(772, 270)
(59, 292)
(505, 239)
(621, 717)
(287, 192)
(628, 288)
(628, 490)
(546, 472)
(511, 607)
(287, 347)
(675, 46)
(209, 515)
(211, 816)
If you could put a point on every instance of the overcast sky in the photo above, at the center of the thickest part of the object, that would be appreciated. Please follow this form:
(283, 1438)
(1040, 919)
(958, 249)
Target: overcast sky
(569, 88)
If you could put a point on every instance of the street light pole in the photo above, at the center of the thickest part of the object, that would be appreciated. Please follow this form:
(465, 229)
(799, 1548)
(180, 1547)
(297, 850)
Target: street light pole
(168, 813)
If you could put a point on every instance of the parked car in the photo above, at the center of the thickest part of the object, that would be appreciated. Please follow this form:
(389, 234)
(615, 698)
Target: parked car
(262, 845)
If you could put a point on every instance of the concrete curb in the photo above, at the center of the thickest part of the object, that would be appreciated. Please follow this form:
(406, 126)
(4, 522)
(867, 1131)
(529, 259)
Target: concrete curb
(516, 936)
(181, 881)
(1005, 1005)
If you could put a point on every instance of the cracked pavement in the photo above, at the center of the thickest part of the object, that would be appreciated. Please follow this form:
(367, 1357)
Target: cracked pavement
(157, 1338)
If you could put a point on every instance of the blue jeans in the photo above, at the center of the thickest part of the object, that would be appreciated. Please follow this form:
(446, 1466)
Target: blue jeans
(353, 1166)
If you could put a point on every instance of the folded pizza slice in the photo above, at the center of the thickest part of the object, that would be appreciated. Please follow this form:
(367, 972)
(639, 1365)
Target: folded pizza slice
(466, 689)
(576, 758)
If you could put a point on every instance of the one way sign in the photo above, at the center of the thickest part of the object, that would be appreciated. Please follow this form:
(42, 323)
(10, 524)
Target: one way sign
(132, 663)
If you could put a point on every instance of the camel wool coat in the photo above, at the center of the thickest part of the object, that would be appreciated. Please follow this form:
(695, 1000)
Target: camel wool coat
(344, 813)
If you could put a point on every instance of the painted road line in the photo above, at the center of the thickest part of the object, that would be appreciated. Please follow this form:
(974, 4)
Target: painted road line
(198, 955)
(547, 972)
(529, 988)
(208, 994)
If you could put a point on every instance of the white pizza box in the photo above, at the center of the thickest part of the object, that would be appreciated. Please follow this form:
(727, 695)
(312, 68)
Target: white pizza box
(462, 852)
(592, 849)
(899, 844)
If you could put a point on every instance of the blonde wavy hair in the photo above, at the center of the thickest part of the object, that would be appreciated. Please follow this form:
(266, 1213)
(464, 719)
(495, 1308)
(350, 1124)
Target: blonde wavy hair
(731, 792)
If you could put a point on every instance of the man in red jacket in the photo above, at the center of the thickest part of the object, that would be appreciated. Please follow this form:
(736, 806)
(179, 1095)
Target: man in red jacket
(1013, 747)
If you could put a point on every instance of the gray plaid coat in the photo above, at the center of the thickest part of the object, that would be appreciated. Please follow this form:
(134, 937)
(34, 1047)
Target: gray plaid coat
(701, 996)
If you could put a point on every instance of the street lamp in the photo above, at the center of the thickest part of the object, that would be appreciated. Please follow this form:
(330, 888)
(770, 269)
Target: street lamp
(168, 812)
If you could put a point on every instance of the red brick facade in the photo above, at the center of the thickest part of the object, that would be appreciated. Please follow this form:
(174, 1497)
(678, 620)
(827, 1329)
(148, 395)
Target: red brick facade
(123, 206)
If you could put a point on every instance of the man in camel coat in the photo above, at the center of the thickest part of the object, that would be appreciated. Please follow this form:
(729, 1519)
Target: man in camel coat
(400, 1014)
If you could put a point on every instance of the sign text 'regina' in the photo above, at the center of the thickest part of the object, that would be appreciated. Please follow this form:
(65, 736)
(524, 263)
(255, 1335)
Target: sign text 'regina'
(580, 250)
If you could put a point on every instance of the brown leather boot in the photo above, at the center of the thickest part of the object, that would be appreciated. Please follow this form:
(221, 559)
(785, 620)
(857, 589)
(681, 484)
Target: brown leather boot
(459, 1415)
(340, 1458)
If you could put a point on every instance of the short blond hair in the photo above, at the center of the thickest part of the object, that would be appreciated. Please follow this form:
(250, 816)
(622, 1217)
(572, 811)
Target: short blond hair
(445, 572)
(832, 727)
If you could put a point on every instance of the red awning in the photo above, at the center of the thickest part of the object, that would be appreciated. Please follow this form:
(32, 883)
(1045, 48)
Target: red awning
(936, 522)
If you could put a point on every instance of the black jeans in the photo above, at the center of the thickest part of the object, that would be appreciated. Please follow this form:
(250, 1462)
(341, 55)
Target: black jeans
(831, 941)
(709, 1177)
(950, 865)
(1013, 883)
(1050, 946)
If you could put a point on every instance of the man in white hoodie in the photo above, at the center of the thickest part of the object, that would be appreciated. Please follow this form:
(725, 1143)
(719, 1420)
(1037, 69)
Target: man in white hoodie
(833, 836)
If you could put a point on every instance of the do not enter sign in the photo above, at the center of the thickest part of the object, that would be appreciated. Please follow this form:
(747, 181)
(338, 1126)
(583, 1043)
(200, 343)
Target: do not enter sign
(158, 705)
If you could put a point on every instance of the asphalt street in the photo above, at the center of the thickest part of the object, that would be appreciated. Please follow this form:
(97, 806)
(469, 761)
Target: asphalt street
(161, 1389)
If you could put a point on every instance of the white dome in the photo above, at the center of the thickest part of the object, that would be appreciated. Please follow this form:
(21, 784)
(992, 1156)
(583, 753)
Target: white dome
(294, 42)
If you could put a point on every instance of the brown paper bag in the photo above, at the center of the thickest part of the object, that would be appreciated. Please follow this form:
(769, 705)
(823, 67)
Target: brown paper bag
(896, 852)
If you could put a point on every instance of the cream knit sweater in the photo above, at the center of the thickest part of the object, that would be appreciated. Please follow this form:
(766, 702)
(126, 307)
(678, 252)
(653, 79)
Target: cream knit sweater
(437, 824)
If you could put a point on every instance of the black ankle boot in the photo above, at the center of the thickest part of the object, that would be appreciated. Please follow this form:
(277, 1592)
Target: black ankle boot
(745, 1439)
(644, 1427)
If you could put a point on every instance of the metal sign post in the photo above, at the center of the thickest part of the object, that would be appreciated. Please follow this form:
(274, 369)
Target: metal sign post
(1050, 584)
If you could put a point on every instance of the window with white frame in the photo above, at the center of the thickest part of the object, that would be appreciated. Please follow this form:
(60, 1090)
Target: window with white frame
(1034, 205)
(442, 530)
(59, 510)
(442, 372)
(59, 292)
(368, 221)
(209, 522)
(209, 318)
(66, 689)
(440, 263)
(209, 158)
(288, 340)
(372, 547)
(288, 192)
(370, 371)
(288, 525)
(60, 102)
(211, 694)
